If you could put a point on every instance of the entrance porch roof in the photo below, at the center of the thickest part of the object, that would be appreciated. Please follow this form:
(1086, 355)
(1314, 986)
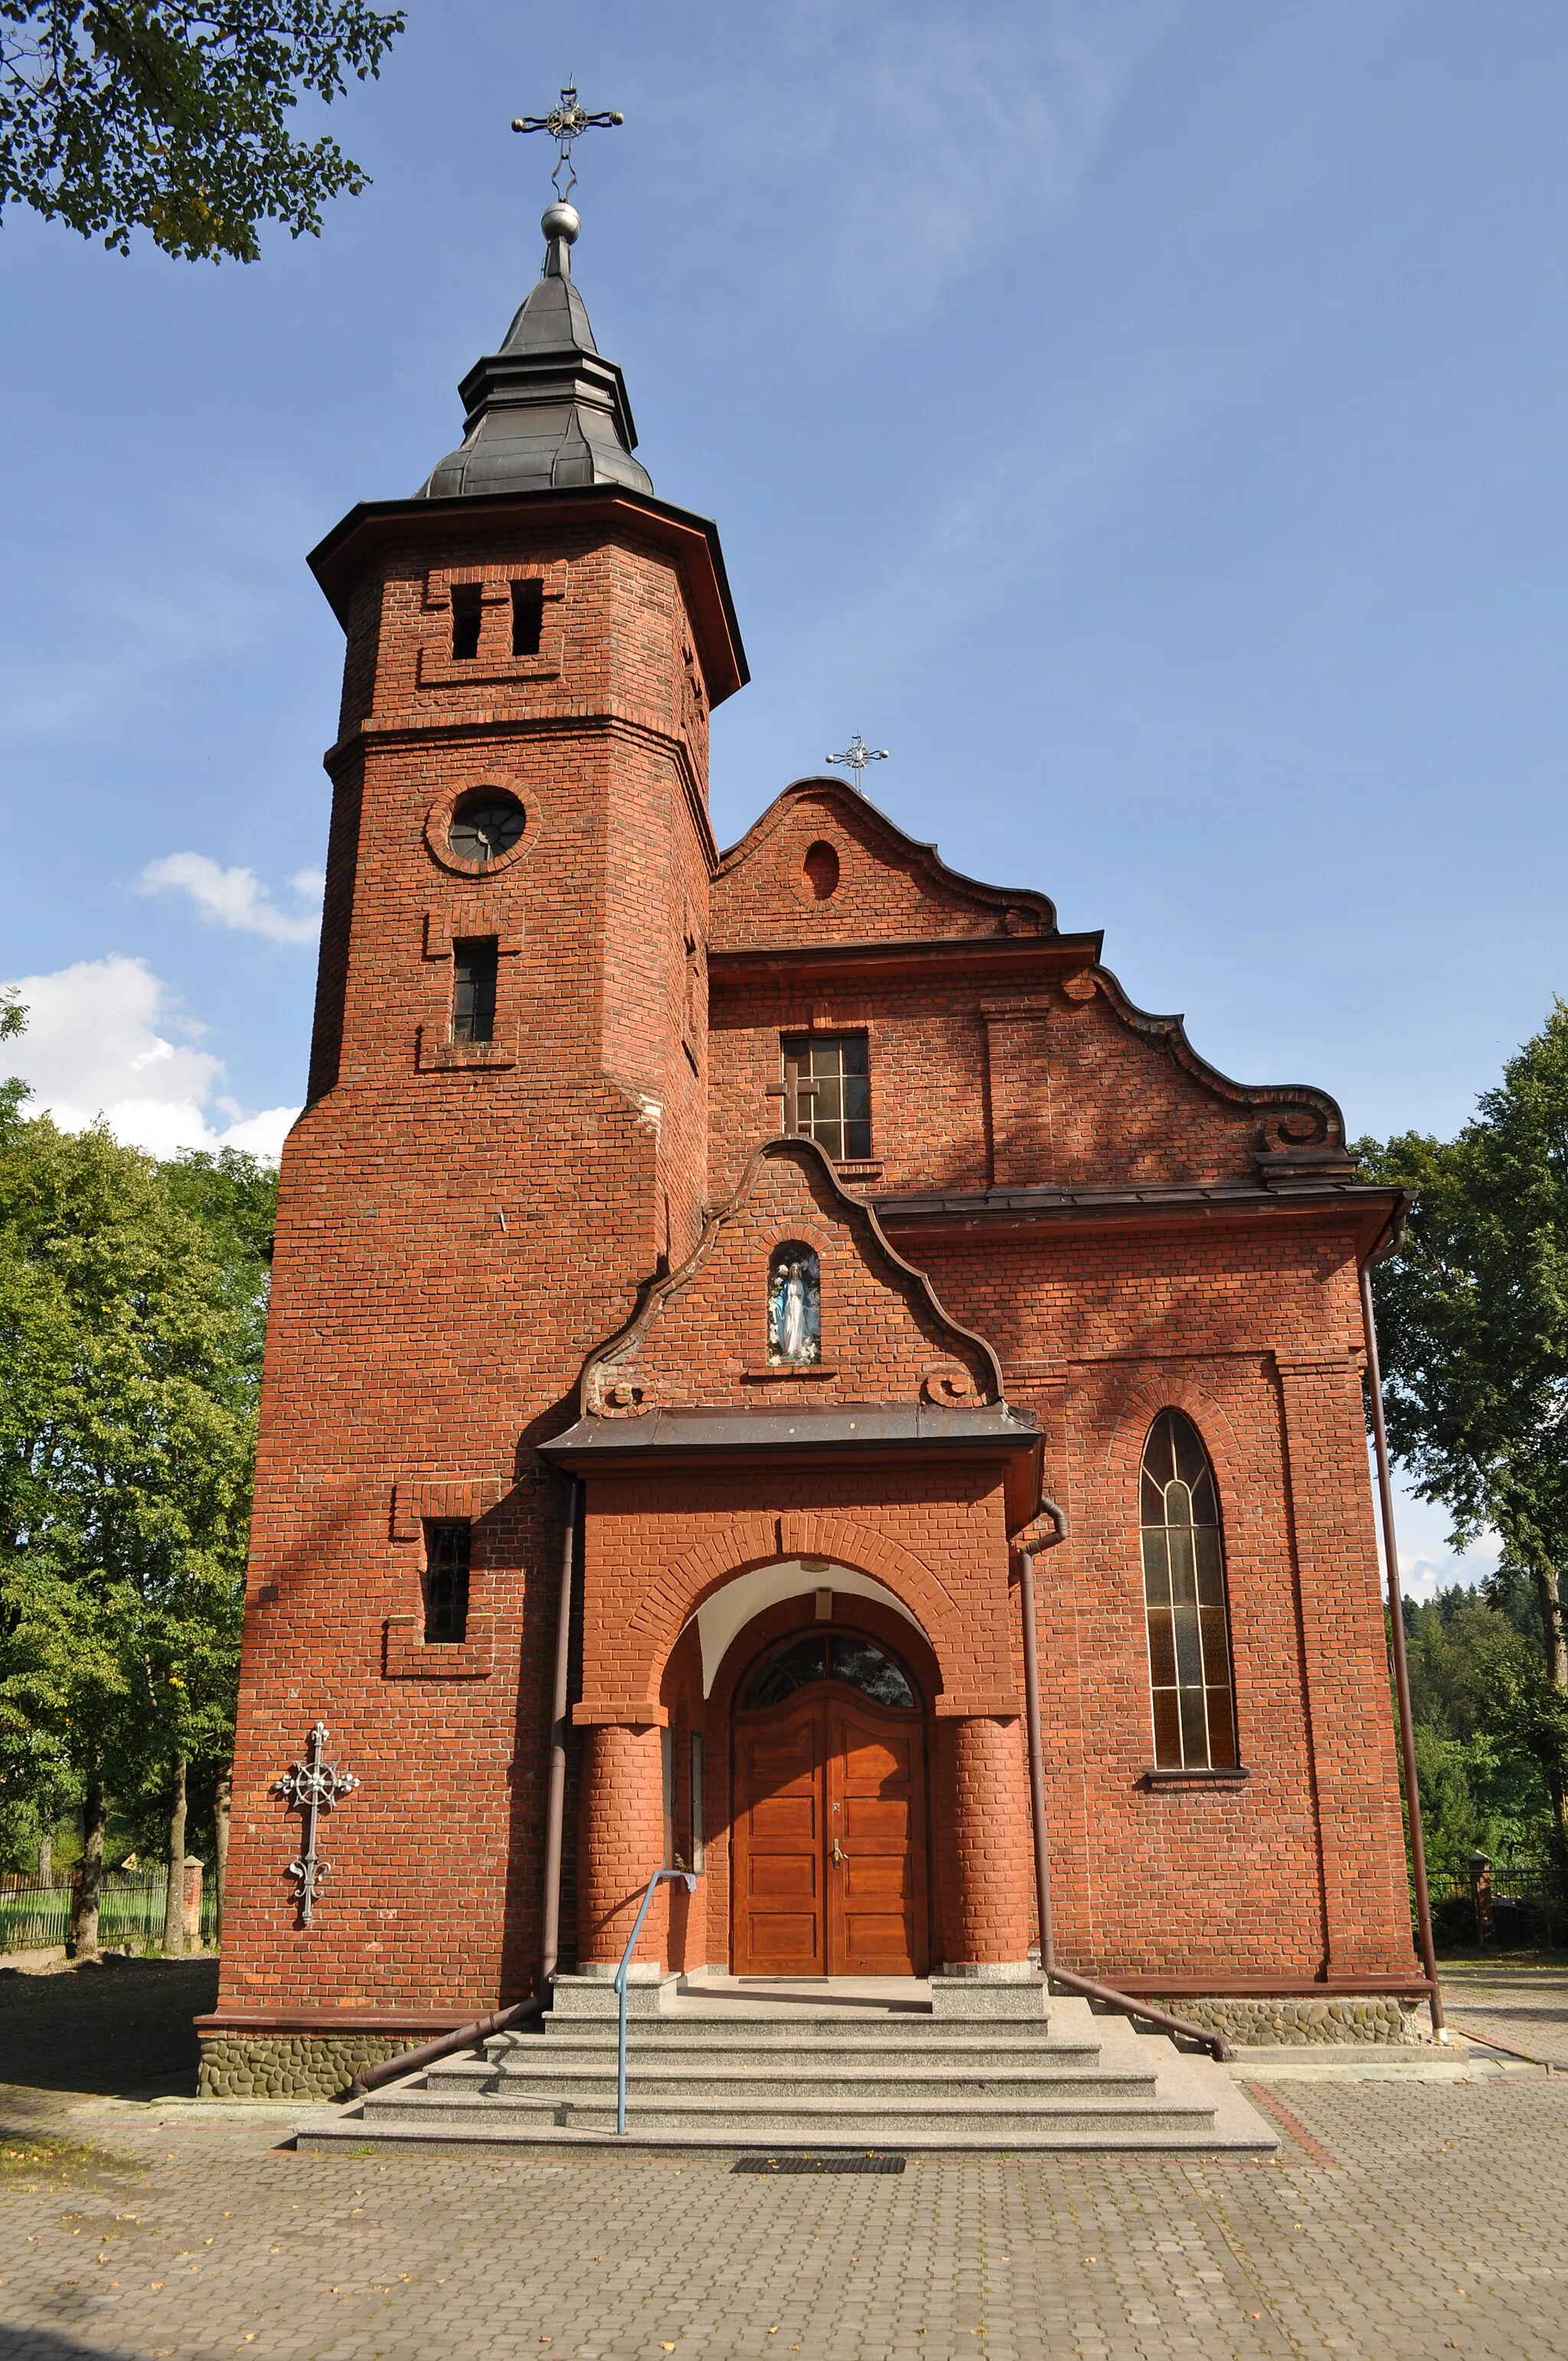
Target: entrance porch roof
(864, 1433)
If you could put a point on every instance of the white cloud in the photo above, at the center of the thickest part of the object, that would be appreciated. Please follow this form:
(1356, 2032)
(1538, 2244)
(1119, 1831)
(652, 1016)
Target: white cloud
(237, 897)
(1428, 1560)
(93, 1046)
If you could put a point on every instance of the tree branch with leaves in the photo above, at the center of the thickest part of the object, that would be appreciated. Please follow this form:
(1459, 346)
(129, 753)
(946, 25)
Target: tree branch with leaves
(1473, 1318)
(174, 118)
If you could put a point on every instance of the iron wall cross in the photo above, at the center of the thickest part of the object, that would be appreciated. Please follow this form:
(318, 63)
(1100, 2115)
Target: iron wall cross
(855, 757)
(313, 1787)
(566, 121)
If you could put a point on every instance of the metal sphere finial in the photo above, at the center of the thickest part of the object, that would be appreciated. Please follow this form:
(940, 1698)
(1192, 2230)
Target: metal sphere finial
(561, 220)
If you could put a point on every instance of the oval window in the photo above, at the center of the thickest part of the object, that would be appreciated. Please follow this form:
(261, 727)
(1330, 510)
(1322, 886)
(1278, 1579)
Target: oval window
(485, 824)
(821, 869)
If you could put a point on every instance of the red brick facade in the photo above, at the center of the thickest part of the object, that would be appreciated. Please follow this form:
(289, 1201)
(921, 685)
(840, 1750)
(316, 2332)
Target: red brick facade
(498, 1261)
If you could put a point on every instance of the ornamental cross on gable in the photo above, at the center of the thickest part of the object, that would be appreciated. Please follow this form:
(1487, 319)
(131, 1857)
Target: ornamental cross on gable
(566, 121)
(855, 757)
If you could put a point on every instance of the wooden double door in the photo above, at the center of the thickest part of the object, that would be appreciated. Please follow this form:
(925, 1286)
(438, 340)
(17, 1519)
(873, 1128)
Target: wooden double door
(830, 1837)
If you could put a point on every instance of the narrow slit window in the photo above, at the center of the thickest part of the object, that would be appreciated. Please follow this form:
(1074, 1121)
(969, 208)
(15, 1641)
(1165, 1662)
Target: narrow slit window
(833, 1083)
(466, 614)
(527, 616)
(447, 1545)
(474, 965)
(667, 1783)
(1184, 1601)
(698, 1818)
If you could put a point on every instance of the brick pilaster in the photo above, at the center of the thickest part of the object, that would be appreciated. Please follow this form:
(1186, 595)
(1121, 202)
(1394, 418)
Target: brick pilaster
(1349, 1717)
(620, 1843)
(983, 1840)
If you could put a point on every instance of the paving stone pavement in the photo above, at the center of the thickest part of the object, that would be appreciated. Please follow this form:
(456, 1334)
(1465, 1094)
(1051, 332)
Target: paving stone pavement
(1524, 2008)
(1401, 2220)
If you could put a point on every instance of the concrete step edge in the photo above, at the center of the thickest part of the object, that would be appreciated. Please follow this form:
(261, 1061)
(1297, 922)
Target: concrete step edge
(415, 2104)
(1075, 2141)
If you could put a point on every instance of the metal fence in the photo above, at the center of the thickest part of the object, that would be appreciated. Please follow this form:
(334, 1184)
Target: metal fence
(130, 1910)
(1505, 1903)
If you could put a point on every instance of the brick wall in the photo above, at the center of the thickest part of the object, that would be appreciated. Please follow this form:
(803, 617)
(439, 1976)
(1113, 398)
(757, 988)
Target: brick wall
(460, 1231)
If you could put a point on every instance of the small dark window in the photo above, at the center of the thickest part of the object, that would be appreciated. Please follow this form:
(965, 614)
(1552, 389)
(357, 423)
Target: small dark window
(474, 989)
(527, 616)
(447, 1549)
(465, 612)
(834, 1096)
(485, 823)
(840, 1657)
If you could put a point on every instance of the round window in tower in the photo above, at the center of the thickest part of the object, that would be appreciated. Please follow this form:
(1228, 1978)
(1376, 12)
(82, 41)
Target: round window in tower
(485, 824)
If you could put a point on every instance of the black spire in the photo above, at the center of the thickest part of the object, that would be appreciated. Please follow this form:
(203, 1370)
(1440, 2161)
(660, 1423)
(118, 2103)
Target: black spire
(546, 412)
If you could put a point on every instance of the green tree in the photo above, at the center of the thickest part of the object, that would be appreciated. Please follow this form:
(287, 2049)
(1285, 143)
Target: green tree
(1473, 1318)
(1483, 1782)
(130, 1312)
(173, 117)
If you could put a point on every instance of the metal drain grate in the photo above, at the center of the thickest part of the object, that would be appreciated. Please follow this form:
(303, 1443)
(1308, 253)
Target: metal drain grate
(872, 2161)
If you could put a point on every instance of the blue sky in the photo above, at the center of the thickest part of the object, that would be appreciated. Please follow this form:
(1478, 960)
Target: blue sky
(1145, 419)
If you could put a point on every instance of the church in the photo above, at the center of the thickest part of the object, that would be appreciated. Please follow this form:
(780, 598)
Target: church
(777, 1369)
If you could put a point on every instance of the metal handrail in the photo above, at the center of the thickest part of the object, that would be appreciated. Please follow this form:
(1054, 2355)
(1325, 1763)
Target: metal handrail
(690, 1884)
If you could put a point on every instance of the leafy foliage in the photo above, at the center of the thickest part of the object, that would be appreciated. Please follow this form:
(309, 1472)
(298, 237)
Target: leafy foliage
(171, 117)
(132, 1302)
(1473, 1314)
(1473, 1318)
(1483, 1786)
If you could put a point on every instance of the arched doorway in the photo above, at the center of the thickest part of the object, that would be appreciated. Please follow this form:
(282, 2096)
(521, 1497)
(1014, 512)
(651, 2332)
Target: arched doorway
(829, 1811)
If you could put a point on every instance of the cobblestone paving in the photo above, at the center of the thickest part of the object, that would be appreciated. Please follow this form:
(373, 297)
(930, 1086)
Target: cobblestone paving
(1437, 2227)
(1526, 2008)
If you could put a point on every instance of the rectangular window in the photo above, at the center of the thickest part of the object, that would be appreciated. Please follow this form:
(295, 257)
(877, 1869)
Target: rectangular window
(836, 1112)
(474, 967)
(699, 1825)
(527, 616)
(466, 613)
(447, 1549)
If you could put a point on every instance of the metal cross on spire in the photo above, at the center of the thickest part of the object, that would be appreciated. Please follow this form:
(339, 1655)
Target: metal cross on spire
(855, 757)
(566, 121)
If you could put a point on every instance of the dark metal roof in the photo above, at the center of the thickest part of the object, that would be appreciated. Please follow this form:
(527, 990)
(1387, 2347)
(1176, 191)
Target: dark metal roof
(546, 412)
(1378, 1212)
(919, 1427)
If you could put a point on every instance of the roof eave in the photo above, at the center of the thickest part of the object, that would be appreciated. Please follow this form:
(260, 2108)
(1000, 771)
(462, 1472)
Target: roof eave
(337, 558)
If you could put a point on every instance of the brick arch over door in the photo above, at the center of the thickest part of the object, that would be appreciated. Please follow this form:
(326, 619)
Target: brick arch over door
(969, 1634)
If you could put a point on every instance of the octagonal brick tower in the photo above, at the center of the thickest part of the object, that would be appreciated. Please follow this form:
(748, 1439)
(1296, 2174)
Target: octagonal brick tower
(506, 1137)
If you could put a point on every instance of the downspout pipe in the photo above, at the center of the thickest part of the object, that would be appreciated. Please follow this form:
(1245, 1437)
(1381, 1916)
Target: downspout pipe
(1055, 1973)
(1036, 1756)
(555, 1797)
(502, 2020)
(1401, 1664)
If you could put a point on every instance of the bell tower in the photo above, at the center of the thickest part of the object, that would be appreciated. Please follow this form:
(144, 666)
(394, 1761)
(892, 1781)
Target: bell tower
(506, 1140)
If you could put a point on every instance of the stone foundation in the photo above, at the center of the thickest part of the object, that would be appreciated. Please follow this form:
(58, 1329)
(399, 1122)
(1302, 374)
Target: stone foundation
(291, 2065)
(1301, 2023)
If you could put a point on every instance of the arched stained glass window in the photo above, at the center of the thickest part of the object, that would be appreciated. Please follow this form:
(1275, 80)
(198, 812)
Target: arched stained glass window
(1184, 1597)
(830, 1656)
